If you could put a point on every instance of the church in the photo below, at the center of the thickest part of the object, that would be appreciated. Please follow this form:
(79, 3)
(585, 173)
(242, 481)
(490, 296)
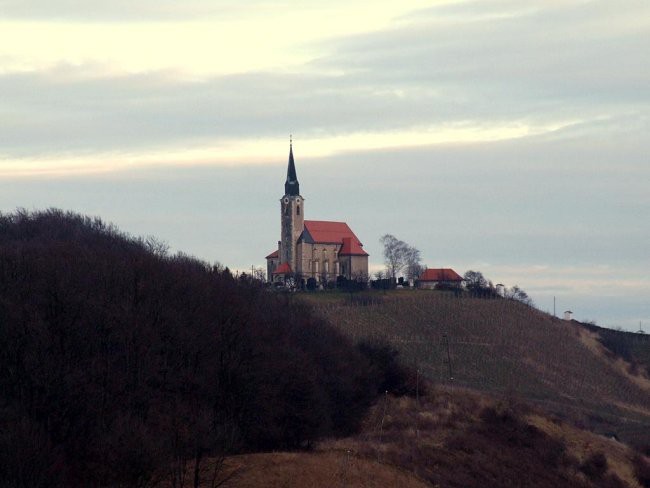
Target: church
(318, 249)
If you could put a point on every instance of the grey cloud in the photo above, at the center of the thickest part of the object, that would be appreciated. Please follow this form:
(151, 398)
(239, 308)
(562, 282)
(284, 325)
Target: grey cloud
(47, 113)
(550, 54)
(42, 114)
(145, 10)
(540, 66)
(121, 10)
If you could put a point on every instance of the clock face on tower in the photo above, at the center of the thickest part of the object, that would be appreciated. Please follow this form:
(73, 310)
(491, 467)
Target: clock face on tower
(286, 200)
(297, 200)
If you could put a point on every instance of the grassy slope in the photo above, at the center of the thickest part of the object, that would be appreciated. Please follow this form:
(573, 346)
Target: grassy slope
(501, 346)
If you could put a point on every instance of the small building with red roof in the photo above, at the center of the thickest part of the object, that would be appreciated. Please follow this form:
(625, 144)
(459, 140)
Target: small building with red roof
(282, 270)
(433, 277)
(318, 249)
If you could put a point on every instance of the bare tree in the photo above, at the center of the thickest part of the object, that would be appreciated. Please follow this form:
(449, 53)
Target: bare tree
(156, 246)
(398, 256)
(516, 293)
(413, 263)
(259, 274)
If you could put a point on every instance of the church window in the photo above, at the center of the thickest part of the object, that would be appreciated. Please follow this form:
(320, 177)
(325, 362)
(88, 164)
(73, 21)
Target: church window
(298, 210)
(286, 210)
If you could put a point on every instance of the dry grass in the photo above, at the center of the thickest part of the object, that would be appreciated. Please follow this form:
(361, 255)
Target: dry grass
(583, 444)
(590, 339)
(451, 437)
(312, 470)
(447, 439)
(501, 346)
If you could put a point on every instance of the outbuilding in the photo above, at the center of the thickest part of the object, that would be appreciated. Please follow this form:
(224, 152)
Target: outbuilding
(439, 277)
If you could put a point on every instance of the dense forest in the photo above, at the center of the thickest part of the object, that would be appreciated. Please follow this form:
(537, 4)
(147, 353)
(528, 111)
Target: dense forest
(121, 364)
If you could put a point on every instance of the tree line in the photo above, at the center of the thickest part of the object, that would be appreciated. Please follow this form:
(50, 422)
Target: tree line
(403, 260)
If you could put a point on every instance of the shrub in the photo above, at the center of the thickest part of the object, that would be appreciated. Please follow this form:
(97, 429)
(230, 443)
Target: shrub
(595, 466)
(642, 470)
(389, 374)
(504, 426)
(612, 481)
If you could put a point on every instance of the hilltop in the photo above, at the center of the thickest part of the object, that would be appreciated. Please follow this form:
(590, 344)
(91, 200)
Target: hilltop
(504, 347)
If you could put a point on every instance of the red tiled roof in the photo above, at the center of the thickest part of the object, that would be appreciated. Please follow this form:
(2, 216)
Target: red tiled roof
(284, 268)
(274, 254)
(351, 247)
(324, 232)
(440, 274)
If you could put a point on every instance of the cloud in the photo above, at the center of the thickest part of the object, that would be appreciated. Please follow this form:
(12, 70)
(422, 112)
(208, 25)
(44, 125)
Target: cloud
(472, 66)
(583, 51)
(121, 10)
(61, 112)
(174, 10)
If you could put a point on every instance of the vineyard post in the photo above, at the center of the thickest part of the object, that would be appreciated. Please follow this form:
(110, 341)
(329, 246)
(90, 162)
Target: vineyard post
(381, 425)
(446, 340)
(417, 386)
(417, 400)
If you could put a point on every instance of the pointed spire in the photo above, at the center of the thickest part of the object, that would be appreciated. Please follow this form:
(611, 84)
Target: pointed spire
(291, 186)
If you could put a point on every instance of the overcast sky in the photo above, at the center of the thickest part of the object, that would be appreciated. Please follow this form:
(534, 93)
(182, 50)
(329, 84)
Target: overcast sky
(505, 136)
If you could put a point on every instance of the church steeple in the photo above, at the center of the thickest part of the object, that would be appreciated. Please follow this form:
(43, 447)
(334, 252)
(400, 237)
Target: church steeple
(291, 186)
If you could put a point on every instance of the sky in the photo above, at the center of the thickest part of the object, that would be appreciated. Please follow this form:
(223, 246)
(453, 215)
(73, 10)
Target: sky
(501, 136)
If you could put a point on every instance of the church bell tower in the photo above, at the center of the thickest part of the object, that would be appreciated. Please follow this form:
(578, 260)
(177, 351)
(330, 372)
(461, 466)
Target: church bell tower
(292, 216)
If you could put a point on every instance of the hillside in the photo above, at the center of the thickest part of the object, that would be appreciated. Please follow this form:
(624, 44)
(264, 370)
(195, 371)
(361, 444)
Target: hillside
(502, 347)
(453, 438)
(123, 365)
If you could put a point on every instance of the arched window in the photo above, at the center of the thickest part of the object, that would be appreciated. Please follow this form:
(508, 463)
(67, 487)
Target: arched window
(297, 209)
